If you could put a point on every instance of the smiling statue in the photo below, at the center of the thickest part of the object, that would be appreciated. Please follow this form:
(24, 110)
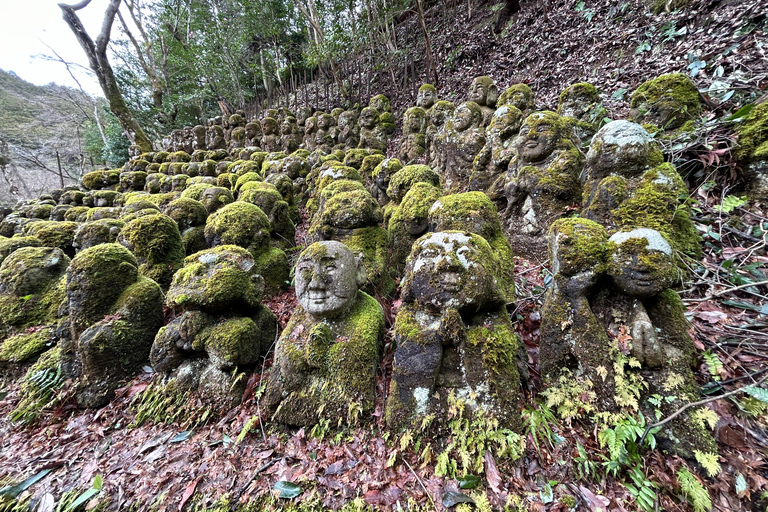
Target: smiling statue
(454, 338)
(326, 358)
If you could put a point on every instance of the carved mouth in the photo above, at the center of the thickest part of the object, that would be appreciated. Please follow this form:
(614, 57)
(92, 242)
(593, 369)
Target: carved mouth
(450, 282)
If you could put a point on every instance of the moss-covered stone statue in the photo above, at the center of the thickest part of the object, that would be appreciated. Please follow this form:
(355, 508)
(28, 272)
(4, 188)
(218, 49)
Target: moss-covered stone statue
(347, 130)
(492, 161)
(520, 96)
(220, 325)
(190, 217)
(439, 116)
(542, 181)
(426, 97)
(354, 218)
(198, 138)
(324, 135)
(372, 136)
(290, 137)
(753, 151)
(266, 196)
(413, 141)
(640, 303)
(156, 243)
(669, 102)
(247, 226)
(310, 130)
(270, 138)
(214, 136)
(103, 231)
(326, 357)
(31, 295)
(484, 92)
(380, 178)
(408, 222)
(464, 139)
(454, 338)
(114, 314)
(386, 121)
(580, 104)
(628, 185)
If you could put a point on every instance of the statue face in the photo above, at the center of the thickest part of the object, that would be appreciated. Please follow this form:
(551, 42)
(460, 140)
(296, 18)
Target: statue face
(642, 265)
(368, 118)
(447, 271)
(214, 198)
(537, 141)
(326, 279)
(620, 146)
(268, 126)
(462, 119)
(426, 98)
(478, 92)
(252, 130)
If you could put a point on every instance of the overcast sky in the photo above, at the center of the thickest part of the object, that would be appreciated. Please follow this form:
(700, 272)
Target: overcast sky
(26, 26)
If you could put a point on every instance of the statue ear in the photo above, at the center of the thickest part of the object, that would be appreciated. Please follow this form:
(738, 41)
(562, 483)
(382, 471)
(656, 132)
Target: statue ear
(361, 276)
(493, 96)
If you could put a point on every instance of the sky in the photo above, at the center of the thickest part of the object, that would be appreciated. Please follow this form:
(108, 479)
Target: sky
(27, 26)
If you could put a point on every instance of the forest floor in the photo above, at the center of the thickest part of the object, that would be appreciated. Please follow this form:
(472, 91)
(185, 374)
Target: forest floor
(110, 458)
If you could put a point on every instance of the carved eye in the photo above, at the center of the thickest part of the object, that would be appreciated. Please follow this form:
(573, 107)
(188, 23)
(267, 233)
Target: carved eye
(428, 253)
(543, 128)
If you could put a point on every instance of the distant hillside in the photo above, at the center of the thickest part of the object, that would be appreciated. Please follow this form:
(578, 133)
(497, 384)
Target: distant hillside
(36, 122)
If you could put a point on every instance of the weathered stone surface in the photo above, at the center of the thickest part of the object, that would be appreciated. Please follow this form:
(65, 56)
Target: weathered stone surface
(326, 357)
(454, 338)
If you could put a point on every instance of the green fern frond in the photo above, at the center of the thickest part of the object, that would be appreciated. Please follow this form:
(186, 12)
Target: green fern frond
(694, 492)
(708, 461)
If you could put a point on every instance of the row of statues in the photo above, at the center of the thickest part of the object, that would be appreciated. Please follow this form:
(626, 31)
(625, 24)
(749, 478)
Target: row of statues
(208, 230)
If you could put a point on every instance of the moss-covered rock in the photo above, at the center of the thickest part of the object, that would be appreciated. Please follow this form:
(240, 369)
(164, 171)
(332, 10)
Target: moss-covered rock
(155, 240)
(98, 180)
(402, 180)
(8, 245)
(753, 151)
(24, 346)
(408, 222)
(103, 231)
(54, 234)
(667, 102)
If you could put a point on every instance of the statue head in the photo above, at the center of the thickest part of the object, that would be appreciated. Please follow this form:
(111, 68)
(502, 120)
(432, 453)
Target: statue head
(468, 115)
(577, 248)
(328, 277)
(518, 95)
(576, 100)
(269, 126)
(347, 118)
(369, 117)
(621, 147)
(427, 96)
(253, 130)
(483, 91)
(415, 120)
(642, 264)
(539, 136)
(441, 112)
(380, 103)
(452, 270)
(214, 198)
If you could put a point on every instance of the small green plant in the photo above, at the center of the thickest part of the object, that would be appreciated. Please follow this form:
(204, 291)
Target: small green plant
(538, 424)
(471, 435)
(165, 403)
(730, 203)
(41, 390)
(693, 491)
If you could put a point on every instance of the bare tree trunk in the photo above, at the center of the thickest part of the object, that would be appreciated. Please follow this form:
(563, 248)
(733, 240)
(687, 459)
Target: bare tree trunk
(97, 58)
(431, 65)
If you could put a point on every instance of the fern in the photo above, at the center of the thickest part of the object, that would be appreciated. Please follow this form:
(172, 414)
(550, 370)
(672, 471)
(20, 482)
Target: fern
(708, 461)
(759, 393)
(706, 417)
(694, 492)
(713, 363)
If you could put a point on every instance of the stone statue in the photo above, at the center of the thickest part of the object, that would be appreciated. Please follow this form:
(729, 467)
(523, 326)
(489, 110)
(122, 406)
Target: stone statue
(542, 181)
(290, 138)
(580, 104)
(454, 338)
(381, 177)
(253, 134)
(326, 357)
(628, 185)
(310, 130)
(408, 221)
(214, 136)
(493, 159)
(156, 243)
(114, 314)
(413, 142)
(440, 116)
(324, 136)
(347, 130)
(426, 97)
(199, 135)
(484, 92)
(669, 102)
(270, 140)
(220, 325)
(465, 139)
(520, 96)
(214, 198)
(372, 136)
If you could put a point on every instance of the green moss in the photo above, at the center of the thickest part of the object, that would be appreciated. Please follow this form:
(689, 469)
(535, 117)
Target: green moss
(8, 245)
(21, 347)
(506, 98)
(246, 178)
(753, 135)
(403, 179)
(239, 223)
(667, 101)
(354, 157)
(272, 264)
(156, 242)
(231, 343)
(582, 89)
(656, 204)
(581, 243)
(53, 233)
(97, 180)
